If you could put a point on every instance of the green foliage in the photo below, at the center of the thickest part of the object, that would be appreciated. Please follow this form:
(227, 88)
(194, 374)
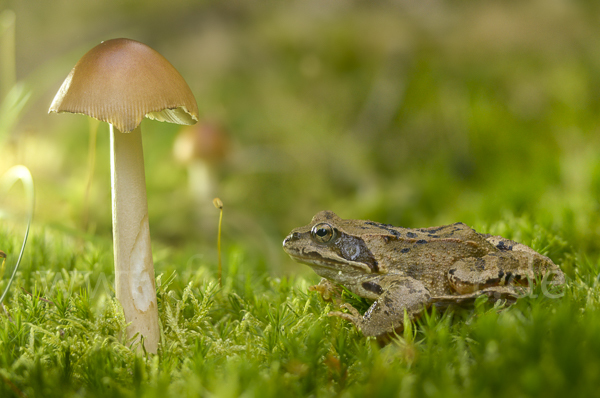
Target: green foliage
(61, 335)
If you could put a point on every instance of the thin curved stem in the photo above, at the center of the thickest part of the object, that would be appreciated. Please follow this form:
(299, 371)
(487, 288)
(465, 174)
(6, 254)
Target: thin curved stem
(219, 205)
(6, 182)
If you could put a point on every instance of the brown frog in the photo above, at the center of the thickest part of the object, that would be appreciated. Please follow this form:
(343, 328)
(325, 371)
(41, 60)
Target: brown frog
(408, 270)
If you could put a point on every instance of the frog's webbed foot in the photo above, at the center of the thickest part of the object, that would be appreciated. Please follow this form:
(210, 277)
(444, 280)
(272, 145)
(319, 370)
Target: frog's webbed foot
(507, 293)
(328, 290)
(386, 314)
(354, 316)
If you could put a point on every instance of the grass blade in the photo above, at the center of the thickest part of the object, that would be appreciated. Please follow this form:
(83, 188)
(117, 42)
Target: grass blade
(6, 182)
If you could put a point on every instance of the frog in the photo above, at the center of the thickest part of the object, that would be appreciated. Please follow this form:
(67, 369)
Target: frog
(406, 270)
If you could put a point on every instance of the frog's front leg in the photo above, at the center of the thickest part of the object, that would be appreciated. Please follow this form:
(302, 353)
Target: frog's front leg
(398, 293)
(328, 290)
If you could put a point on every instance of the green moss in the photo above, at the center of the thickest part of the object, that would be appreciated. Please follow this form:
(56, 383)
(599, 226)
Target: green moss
(65, 337)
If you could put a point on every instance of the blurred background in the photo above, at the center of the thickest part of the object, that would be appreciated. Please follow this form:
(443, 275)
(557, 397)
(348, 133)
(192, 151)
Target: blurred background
(414, 113)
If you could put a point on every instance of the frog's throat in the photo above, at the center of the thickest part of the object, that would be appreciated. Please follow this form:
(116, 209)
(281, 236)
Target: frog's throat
(319, 262)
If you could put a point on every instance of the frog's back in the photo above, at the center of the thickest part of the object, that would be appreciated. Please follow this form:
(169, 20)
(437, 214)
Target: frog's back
(427, 254)
(453, 231)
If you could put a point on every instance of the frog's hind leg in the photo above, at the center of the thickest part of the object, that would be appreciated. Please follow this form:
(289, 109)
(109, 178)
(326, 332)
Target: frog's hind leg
(540, 264)
(400, 293)
(504, 245)
(475, 274)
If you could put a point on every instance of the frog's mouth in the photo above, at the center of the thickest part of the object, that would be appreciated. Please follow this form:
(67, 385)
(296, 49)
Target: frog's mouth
(315, 260)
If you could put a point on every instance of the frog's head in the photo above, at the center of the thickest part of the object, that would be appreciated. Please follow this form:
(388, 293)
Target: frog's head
(331, 247)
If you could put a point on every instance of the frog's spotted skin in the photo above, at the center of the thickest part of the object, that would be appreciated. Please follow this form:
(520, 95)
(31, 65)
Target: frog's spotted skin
(410, 269)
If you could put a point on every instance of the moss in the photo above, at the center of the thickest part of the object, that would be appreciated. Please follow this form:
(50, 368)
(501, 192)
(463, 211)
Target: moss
(63, 336)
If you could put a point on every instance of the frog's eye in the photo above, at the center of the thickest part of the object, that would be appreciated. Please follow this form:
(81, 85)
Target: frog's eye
(323, 233)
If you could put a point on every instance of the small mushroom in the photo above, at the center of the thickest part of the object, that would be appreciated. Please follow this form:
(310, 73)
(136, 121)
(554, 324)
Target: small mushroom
(121, 81)
(202, 148)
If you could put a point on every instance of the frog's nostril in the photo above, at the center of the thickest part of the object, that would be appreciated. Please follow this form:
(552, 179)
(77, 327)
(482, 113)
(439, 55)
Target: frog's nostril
(291, 237)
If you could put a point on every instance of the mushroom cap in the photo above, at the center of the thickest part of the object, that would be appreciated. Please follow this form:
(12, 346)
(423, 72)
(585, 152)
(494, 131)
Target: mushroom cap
(120, 81)
(206, 141)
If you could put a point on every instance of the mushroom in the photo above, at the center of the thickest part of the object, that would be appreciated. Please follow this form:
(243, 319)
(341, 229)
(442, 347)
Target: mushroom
(202, 148)
(121, 81)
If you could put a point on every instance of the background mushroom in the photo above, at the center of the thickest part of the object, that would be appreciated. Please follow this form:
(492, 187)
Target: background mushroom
(202, 148)
(121, 81)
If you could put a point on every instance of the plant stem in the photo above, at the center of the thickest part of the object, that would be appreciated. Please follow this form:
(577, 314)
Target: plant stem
(7, 52)
(219, 205)
(6, 182)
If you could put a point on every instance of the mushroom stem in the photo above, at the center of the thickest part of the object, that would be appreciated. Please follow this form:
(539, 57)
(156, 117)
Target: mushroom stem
(200, 182)
(134, 268)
